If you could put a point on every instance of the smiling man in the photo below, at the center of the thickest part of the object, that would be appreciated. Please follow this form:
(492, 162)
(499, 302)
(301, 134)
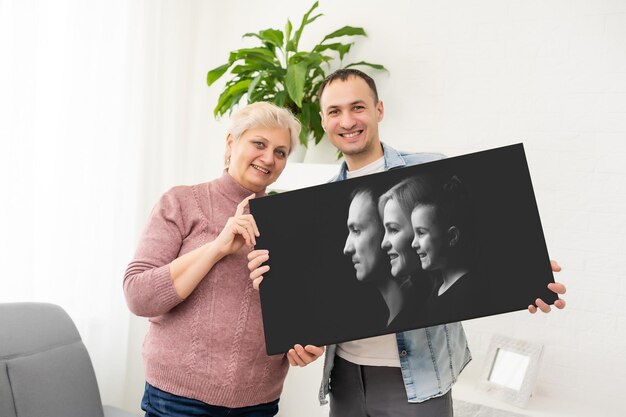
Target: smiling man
(409, 373)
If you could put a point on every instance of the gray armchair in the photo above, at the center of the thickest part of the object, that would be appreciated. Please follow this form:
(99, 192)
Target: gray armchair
(45, 369)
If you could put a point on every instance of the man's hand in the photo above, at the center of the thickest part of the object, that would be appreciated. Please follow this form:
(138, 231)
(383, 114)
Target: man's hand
(302, 356)
(556, 287)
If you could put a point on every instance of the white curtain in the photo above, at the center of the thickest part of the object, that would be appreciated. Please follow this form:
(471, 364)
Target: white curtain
(103, 106)
(69, 167)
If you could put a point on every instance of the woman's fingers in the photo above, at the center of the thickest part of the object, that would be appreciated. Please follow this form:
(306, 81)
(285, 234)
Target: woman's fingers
(257, 253)
(256, 267)
(258, 272)
(246, 230)
(241, 207)
(256, 258)
(257, 282)
(302, 356)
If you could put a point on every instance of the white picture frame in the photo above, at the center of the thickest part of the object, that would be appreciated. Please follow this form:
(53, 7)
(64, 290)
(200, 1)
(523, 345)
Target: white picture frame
(511, 369)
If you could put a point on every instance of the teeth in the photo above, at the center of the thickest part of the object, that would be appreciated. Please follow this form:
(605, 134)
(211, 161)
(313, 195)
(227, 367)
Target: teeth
(351, 135)
(258, 168)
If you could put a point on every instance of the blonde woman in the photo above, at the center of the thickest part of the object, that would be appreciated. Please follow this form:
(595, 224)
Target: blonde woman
(204, 353)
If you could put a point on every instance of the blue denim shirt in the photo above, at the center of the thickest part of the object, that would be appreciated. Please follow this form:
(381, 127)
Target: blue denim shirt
(431, 359)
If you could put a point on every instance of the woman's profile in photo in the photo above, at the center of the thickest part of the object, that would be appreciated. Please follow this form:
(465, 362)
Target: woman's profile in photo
(395, 207)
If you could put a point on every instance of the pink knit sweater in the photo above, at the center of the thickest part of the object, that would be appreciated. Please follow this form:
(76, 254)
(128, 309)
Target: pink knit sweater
(209, 347)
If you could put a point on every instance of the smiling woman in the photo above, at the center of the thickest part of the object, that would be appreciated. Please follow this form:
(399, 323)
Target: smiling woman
(257, 158)
(258, 143)
(394, 208)
(204, 349)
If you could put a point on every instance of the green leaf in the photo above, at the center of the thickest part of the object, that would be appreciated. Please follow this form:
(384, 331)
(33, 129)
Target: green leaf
(305, 115)
(341, 48)
(345, 31)
(311, 59)
(216, 73)
(254, 83)
(375, 66)
(305, 21)
(231, 96)
(288, 29)
(280, 98)
(252, 66)
(274, 36)
(271, 36)
(261, 53)
(296, 75)
(224, 104)
(304, 135)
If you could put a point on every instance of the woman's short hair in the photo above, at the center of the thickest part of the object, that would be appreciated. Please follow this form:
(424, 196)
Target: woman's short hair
(265, 115)
(408, 193)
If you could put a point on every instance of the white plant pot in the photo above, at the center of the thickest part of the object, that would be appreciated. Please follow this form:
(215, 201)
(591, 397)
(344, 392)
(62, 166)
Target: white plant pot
(322, 153)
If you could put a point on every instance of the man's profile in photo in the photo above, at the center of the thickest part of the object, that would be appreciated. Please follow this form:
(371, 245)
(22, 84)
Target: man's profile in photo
(369, 255)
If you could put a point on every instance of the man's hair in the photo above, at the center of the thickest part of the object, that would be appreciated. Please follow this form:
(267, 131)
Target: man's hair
(345, 73)
(372, 193)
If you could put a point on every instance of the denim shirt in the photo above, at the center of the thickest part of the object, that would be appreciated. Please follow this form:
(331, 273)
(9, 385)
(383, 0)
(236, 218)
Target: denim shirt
(431, 359)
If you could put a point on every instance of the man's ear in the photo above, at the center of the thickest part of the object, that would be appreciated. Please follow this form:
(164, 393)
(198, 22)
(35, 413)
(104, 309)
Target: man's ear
(380, 109)
(454, 234)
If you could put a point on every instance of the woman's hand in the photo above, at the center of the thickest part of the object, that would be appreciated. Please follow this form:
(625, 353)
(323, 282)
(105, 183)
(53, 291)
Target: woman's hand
(556, 287)
(256, 267)
(239, 230)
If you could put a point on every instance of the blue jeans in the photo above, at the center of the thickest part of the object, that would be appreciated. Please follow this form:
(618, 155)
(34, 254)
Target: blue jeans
(157, 403)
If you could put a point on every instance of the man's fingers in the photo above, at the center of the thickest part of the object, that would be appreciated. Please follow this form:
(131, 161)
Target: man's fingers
(542, 305)
(555, 266)
(557, 287)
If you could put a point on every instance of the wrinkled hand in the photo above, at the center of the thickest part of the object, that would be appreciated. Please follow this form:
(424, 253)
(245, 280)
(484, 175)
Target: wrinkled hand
(256, 267)
(556, 287)
(239, 230)
(302, 356)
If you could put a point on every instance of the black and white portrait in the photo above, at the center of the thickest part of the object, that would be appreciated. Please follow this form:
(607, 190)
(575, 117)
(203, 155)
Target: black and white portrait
(400, 250)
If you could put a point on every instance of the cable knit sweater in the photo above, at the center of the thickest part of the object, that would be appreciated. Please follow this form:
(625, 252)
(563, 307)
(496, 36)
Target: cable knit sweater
(210, 346)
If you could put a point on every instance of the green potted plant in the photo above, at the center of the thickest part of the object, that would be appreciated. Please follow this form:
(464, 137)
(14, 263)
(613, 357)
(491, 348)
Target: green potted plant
(279, 72)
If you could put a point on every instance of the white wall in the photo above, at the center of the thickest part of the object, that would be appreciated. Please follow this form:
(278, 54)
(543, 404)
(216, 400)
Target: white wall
(467, 76)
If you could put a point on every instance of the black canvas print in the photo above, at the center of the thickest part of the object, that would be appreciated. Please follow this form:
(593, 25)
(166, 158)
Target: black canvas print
(435, 243)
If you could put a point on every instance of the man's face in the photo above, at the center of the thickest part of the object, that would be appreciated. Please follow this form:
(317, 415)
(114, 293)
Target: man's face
(365, 233)
(350, 116)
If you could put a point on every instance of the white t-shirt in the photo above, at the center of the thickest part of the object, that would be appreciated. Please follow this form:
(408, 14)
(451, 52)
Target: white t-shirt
(379, 350)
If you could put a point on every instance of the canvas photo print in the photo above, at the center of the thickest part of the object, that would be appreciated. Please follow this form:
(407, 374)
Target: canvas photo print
(445, 241)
